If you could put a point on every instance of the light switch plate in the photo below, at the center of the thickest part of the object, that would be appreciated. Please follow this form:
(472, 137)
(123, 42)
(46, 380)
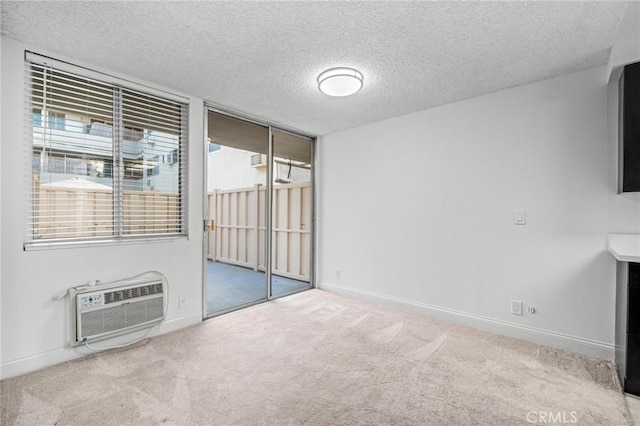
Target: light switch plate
(520, 217)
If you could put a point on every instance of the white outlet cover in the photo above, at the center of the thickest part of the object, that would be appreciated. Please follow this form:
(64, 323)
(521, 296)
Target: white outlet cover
(516, 307)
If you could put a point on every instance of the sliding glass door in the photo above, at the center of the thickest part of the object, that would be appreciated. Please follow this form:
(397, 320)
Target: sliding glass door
(236, 196)
(259, 213)
(291, 208)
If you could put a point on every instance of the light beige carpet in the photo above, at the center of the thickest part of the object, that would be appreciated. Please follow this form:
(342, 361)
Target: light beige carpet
(321, 359)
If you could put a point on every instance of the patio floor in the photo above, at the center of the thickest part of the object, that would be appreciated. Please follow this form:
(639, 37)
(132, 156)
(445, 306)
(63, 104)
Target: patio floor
(230, 286)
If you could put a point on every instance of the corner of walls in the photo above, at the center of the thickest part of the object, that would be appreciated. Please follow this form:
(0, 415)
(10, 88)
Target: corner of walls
(624, 211)
(30, 279)
(626, 48)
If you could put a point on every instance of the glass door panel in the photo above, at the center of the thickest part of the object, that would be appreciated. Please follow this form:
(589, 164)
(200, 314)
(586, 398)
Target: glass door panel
(291, 213)
(236, 196)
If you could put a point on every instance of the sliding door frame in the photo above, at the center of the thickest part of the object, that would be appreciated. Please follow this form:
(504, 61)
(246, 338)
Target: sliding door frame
(312, 181)
(212, 107)
(268, 234)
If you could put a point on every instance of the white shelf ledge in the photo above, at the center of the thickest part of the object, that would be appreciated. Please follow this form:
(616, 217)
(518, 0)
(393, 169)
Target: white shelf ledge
(625, 247)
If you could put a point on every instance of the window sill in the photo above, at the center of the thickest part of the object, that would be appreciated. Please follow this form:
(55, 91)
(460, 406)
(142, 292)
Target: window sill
(50, 245)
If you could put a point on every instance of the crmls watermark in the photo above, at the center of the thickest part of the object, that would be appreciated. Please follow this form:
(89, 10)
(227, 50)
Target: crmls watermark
(552, 417)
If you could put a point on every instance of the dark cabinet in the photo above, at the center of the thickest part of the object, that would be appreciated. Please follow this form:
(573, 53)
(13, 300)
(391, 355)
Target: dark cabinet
(628, 326)
(629, 130)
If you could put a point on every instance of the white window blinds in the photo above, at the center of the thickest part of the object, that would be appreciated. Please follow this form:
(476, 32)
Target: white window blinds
(106, 161)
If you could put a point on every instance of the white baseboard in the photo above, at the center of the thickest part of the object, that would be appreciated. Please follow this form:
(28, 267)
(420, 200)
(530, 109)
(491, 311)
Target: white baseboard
(536, 335)
(35, 362)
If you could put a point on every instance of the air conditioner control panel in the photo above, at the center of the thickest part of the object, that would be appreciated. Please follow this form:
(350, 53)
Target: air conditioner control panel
(91, 300)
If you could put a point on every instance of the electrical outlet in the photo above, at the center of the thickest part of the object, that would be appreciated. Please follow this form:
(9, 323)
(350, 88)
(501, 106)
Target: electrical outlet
(516, 307)
(182, 302)
(532, 310)
(337, 274)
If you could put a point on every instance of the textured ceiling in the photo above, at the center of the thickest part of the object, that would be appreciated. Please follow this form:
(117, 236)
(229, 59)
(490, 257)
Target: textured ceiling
(262, 58)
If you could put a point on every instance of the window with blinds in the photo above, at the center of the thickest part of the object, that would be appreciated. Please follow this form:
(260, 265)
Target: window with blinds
(106, 161)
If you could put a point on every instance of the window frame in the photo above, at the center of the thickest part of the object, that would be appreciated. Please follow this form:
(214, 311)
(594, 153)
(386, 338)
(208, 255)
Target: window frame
(119, 237)
(56, 120)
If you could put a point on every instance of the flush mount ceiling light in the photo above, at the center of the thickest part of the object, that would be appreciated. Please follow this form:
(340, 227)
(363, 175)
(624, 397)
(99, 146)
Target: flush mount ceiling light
(340, 81)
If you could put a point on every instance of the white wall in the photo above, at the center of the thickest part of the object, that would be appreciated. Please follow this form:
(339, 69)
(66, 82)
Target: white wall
(35, 328)
(428, 224)
(230, 168)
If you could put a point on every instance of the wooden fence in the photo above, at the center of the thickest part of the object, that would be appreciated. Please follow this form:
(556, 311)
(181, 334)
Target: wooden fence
(239, 218)
(73, 213)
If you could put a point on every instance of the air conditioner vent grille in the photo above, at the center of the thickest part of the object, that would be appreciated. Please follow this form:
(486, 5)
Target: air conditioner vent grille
(121, 316)
(132, 293)
(258, 160)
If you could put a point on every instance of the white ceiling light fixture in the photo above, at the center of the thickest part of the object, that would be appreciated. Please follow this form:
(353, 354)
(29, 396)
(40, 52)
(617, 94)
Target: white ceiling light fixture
(340, 81)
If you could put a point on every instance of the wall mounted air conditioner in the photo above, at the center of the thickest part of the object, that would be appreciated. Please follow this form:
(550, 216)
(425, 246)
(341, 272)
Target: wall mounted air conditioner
(173, 157)
(110, 311)
(258, 160)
